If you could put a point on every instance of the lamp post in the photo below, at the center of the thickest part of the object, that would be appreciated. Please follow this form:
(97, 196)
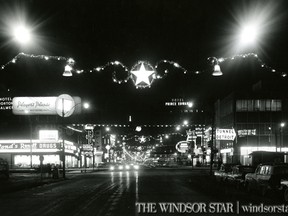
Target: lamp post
(64, 114)
(282, 125)
(63, 141)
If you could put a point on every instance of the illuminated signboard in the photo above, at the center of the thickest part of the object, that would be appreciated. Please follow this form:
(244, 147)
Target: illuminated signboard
(179, 102)
(64, 104)
(34, 146)
(246, 132)
(28, 145)
(225, 134)
(182, 146)
(34, 105)
(87, 147)
(5, 103)
(48, 134)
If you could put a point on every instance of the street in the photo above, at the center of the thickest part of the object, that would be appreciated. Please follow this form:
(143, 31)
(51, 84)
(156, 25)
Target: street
(144, 192)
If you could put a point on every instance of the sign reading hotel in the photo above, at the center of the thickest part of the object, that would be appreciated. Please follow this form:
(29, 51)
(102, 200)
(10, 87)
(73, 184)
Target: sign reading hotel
(5, 103)
(225, 134)
(178, 102)
(62, 105)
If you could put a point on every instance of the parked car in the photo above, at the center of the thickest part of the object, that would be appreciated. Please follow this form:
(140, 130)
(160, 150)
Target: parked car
(223, 171)
(237, 175)
(4, 168)
(269, 177)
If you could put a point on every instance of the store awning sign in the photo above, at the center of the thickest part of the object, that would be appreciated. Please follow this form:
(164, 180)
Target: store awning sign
(225, 134)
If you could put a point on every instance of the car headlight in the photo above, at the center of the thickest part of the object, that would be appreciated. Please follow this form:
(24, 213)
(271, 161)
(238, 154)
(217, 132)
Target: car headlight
(121, 167)
(136, 167)
(127, 167)
(112, 168)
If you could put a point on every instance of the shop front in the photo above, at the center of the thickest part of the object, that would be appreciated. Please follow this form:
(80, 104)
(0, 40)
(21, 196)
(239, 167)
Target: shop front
(28, 153)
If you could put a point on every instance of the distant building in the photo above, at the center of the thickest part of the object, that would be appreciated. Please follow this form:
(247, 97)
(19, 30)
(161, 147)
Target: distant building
(256, 115)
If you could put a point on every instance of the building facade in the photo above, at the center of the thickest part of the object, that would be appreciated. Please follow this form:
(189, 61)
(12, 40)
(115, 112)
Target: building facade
(259, 117)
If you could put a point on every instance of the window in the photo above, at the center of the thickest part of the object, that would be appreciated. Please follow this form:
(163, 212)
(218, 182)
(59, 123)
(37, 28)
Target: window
(262, 170)
(258, 105)
(241, 105)
(276, 105)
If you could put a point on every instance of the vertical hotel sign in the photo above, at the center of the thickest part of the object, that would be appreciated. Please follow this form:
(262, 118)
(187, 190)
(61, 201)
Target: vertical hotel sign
(5, 103)
(45, 105)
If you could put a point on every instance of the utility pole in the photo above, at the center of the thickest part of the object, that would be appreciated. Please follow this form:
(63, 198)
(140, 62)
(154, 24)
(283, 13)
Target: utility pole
(63, 141)
(212, 145)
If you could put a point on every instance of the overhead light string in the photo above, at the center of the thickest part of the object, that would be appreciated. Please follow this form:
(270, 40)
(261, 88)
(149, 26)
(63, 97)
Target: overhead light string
(142, 73)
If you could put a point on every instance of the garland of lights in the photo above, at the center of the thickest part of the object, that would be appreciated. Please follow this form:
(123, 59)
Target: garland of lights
(142, 73)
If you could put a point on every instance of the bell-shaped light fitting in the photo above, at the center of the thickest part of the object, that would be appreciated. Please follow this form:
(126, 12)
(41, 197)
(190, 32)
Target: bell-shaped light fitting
(67, 71)
(217, 70)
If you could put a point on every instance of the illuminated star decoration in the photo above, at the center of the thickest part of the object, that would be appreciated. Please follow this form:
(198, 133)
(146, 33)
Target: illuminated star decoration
(142, 78)
(142, 139)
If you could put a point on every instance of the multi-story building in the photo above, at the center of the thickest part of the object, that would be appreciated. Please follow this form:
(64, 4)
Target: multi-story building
(258, 116)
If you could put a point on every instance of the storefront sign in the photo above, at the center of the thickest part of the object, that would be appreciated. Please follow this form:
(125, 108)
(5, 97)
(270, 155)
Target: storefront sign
(247, 132)
(34, 145)
(29, 145)
(87, 147)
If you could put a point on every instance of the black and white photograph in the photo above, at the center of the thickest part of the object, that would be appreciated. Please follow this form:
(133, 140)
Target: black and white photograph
(143, 107)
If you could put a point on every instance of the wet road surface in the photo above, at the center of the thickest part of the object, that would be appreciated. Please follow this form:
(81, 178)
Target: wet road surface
(143, 192)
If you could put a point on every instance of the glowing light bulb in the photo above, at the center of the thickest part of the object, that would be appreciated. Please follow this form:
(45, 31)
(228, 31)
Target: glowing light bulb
(22, 34)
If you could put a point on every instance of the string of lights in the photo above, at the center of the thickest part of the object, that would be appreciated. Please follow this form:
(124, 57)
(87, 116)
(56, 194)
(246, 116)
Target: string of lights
(145, 126)
(142, 73)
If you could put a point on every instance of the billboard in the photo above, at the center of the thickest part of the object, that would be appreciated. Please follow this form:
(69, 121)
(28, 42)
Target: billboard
(63, 105)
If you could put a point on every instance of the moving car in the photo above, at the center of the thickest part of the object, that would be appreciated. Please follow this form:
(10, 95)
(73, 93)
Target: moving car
(123, 167)
(269, 177)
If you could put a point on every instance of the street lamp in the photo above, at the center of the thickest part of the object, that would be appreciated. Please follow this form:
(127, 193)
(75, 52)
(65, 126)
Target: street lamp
(282, 125)
(248, 35)
(22, 34)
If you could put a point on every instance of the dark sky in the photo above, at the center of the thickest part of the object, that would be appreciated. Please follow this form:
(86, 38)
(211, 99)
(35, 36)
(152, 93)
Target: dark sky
(94, 33)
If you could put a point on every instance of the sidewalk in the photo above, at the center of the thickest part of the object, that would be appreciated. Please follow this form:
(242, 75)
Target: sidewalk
(21, 181)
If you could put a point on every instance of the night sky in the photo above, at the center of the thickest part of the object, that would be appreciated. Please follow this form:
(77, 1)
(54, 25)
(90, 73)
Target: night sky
(94, 33)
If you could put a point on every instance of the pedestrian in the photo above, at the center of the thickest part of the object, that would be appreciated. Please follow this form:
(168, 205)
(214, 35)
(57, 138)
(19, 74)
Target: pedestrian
(55, 172)
(49, 170)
